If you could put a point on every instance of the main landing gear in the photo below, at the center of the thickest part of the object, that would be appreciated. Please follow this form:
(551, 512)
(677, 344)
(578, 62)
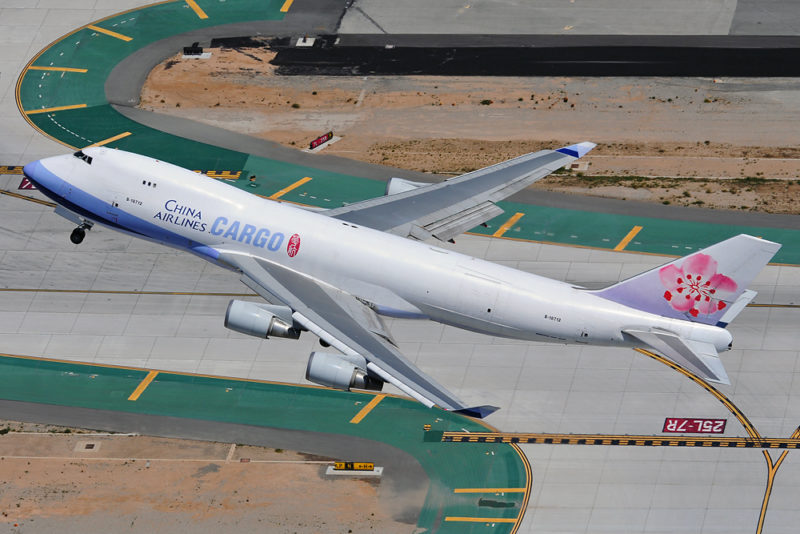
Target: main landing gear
(79, 233)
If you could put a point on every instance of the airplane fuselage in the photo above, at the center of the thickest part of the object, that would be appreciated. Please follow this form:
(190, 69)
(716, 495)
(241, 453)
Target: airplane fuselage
(396, 275)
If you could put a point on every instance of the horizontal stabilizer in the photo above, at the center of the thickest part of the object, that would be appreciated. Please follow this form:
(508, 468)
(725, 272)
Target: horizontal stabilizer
(700, 358)
(740, 304)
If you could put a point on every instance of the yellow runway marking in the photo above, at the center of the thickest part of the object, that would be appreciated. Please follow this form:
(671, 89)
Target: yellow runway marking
(628, 238)
(29, 199)
(366, 409)
(285, 190)
(110, 139)
(222, 175)
(508, 224)
(143, 385)
(61, 69)
(489, 490)
(197, 9)
(115, 35)
(483, 519)
(286, 5)
(50, 110)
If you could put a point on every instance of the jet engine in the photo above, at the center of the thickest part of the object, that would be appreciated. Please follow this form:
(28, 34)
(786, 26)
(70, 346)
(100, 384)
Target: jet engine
(261, 320)
(401, 185)
(340, 371)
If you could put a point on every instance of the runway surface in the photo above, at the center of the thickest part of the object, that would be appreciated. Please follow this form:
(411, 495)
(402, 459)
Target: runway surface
(114, 300)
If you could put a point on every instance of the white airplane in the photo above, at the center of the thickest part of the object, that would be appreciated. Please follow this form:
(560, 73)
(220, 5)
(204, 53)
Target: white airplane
(335, 272)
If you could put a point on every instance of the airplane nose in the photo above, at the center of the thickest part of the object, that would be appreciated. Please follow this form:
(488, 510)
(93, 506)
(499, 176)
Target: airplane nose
(43, 178)
(31, 170)
(35, 172)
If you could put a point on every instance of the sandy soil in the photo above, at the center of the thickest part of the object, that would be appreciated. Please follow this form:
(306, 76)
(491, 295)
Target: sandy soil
(677, 128)
(50, 481)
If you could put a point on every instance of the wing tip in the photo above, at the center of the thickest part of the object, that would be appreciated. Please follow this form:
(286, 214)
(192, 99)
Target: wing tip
(577, 150)
(478, 412)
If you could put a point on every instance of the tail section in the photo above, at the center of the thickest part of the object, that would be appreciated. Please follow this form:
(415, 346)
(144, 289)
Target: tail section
(709, 286)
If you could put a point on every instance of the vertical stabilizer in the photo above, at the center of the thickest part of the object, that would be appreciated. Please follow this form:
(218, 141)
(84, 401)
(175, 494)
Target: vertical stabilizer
(701, 287)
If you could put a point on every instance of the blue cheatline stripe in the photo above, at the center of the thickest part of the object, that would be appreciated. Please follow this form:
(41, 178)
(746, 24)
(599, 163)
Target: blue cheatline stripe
(93, 209)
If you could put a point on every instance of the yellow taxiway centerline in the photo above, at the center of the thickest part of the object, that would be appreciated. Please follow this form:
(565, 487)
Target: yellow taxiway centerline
(110, 139)
(29, 199)
(286, 5)
(197, 9)
(50, 110)
(628, 238)
(143, 385)
(489, 490)
(508, 224)
(483, 519)
(772, 469)
(366, 409)
(61, 69)
(285, 190)
(110, 33)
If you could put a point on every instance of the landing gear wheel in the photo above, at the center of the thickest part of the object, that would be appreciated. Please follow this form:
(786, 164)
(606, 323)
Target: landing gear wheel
(324, 343)
(77, 235)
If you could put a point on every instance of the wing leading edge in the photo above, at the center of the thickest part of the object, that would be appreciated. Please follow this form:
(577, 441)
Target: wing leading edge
(447, 209)
(347, 324)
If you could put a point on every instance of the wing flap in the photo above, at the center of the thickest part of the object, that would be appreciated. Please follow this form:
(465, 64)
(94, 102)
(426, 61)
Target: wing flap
(449, 226)
(700, 358)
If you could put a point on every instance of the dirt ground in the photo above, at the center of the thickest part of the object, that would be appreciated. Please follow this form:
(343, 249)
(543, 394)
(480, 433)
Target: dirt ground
(59, 480)
(721, 143)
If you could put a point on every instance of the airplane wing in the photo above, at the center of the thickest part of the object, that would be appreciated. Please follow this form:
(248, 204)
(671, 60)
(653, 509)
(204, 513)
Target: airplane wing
(348, 324)
(447, 209)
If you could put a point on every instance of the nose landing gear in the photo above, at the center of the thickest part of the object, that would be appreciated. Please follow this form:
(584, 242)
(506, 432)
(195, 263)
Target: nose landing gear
(79, 233)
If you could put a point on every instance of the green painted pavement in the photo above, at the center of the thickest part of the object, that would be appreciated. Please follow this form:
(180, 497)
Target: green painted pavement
(605, 231)
(395, 421)
(102, 122)
(99, 53)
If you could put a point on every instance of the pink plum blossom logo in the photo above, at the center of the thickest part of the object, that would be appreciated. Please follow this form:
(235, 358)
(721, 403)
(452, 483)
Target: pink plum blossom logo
(294, 246)
(695, 286)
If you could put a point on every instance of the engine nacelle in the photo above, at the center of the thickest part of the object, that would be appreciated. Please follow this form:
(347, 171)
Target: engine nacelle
(340, 371)
(261, 320)
(401, 185)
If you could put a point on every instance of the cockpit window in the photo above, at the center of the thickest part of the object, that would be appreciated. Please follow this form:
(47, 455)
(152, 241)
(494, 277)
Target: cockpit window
(80, 155)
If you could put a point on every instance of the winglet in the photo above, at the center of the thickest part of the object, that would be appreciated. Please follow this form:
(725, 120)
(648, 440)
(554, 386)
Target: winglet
(577, 151)
(478, 412)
